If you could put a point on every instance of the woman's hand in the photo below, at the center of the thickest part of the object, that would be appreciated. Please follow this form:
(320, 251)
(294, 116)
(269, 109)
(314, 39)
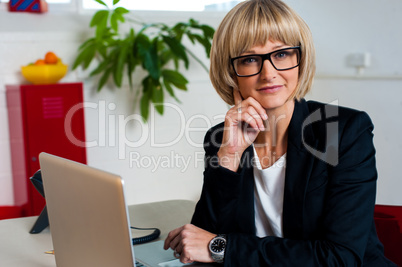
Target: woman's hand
(190, 244)
(243, 122)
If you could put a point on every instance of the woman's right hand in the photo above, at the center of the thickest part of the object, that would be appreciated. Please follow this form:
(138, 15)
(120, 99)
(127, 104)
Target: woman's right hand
(243, 122)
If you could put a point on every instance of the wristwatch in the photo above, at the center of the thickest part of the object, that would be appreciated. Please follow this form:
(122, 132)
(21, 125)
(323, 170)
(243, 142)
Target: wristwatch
(217, 248)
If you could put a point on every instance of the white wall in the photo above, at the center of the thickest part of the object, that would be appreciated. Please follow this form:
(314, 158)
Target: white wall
(339, 28)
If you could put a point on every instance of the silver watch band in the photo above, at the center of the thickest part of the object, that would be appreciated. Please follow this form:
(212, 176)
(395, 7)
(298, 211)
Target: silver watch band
(217, 248)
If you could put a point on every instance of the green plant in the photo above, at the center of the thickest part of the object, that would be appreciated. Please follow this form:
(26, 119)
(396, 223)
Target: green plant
(157, 48)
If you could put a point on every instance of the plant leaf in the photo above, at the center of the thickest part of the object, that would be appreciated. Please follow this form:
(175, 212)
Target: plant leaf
(99, 21)
(117, 16)
(179, 30)
(155, 71)
(147, 50)
(119, 55)
(175, 78)
(115, 1)
(204, 42)
(121, 10)
(85, 56)
(106, 42)
(101, 67)
(208, 31)
(113, 22)
(104, 78)
(131, 60)
(169, 89)
(193, 23)
(157, 96)
(98, 17)
(146, 98)
(87, 42)
(191, 37)
(198, 60)
(177, 49)
(102, 50)
(84, 50)
(101, 2)
(165, 55)
(121, 61)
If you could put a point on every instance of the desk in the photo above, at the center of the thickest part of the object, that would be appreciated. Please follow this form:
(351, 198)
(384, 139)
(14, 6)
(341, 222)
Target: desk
(19, 248)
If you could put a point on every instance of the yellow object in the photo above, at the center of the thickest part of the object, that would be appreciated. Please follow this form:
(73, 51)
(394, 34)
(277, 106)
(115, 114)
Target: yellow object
(44, 74)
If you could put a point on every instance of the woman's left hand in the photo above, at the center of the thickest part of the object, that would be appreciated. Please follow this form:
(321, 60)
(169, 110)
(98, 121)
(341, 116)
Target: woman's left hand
(190, 243)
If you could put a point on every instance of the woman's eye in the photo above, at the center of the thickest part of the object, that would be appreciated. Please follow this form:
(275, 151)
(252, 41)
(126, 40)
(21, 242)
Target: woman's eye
(249, 60)
(281, 55)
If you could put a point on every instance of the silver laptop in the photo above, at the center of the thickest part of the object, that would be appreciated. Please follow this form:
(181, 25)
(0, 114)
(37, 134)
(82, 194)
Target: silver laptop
(89, 219)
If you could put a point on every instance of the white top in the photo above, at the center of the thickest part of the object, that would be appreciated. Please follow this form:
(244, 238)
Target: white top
(268, 197)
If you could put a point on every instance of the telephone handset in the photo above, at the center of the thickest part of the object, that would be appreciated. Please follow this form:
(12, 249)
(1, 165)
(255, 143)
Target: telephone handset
(43, 220)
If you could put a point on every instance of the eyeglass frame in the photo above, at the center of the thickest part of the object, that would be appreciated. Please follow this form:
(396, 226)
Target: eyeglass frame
(267, 56)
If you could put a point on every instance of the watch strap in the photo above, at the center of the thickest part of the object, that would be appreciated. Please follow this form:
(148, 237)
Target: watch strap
(218, 257)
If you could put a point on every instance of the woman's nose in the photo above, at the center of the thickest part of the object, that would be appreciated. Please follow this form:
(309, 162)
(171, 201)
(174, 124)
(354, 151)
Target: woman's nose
(268, 71)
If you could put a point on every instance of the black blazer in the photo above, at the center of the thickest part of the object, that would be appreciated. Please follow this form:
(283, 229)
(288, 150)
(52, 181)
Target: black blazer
(329, 197)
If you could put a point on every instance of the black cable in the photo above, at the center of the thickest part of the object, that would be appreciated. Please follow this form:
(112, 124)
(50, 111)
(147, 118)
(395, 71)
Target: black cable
(140, 240)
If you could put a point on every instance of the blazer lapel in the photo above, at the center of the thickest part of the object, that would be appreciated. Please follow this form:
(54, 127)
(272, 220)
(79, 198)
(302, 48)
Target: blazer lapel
(246, 206)
(299, 163)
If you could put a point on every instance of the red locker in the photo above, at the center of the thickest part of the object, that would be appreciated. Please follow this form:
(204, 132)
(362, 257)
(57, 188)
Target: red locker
(40, 121)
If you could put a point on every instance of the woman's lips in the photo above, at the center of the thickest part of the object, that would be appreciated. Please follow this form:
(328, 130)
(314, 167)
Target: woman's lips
(270, 89)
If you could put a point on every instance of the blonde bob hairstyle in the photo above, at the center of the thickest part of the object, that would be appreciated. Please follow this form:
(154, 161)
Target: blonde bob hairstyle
(253, 23)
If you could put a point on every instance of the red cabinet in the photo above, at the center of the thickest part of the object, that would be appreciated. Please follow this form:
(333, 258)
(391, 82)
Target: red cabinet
(42, 118)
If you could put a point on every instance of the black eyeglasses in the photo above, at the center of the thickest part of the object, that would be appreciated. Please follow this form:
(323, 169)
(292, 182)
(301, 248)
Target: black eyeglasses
(282, 59)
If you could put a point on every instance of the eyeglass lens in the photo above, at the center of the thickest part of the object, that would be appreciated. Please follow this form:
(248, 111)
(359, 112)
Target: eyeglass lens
(282, 60)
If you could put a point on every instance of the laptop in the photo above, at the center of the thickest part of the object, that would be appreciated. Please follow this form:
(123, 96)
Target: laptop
(89, 220)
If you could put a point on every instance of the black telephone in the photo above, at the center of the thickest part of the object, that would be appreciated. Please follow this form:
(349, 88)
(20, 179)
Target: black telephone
(140, 240)
(43, 221)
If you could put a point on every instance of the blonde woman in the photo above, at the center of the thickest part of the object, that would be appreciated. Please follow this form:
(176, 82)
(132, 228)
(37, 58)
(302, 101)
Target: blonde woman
(287, 182)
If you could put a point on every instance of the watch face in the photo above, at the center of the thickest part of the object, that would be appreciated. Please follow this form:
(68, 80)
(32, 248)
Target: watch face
(218, 245)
